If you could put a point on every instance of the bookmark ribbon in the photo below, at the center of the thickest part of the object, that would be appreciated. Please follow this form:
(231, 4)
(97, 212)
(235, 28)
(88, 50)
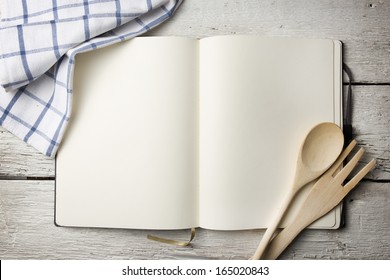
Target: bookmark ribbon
(172, 241)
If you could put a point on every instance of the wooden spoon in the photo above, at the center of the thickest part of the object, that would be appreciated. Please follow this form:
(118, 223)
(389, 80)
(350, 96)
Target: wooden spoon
(326, 193)
(320, 149)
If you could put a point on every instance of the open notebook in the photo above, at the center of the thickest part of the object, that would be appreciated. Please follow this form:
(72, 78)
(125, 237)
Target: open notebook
(171, 133)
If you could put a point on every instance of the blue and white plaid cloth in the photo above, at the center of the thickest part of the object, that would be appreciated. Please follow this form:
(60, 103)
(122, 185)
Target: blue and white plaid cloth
(39, 40)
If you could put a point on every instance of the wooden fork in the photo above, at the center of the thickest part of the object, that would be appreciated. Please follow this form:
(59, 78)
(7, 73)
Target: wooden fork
(327, 192)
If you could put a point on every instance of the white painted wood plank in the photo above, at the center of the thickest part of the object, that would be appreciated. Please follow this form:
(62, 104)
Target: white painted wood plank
(371, 126)
(27, 231)
(363, 26)
(17, 159)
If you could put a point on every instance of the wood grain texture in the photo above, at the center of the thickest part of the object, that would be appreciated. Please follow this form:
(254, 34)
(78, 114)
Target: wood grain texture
(370, 120)
(363, 26)
(17, 159)
(27, 231)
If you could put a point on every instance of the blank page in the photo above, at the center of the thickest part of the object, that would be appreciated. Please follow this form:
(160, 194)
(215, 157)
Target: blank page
(129, 158)
(258, 99)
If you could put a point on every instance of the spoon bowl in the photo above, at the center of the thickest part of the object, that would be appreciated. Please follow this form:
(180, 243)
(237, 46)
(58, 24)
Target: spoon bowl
(319, 150)
(321, 147)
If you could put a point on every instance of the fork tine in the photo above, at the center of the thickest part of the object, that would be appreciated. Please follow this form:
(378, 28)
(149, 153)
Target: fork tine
(360, 175)
(342, 175)
(342, 157)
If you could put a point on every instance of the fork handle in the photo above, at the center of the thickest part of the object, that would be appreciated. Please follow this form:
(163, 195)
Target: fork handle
(283, 239)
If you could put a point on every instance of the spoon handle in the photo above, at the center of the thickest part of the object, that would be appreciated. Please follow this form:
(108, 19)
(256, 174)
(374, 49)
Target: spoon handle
(273, 226)
(283, 239)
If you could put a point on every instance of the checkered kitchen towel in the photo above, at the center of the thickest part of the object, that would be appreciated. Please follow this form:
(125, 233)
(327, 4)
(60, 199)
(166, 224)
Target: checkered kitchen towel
(38, 43)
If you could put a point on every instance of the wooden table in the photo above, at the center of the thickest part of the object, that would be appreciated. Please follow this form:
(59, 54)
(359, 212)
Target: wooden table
(27, 177)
